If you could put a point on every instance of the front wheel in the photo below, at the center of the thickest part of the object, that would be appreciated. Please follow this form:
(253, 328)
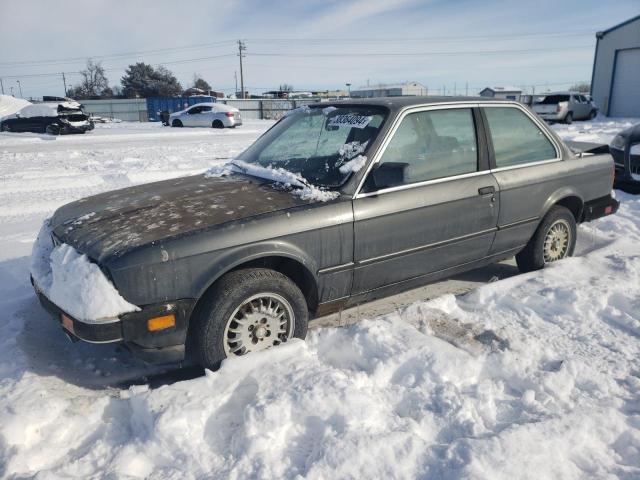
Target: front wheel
(176, 123)
(569, 118)
(248, 311)
(593, 114)
(5, 128)
(554, 239)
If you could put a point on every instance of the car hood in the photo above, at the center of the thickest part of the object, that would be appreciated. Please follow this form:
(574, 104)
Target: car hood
(112, 223)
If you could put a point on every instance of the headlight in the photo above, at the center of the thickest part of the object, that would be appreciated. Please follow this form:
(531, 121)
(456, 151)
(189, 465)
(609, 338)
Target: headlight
(618, 142)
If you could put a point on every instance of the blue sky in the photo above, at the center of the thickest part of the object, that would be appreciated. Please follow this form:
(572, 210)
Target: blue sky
(310, 44)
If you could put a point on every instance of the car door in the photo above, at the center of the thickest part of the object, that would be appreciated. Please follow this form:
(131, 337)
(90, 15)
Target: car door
(527, 164)
(442, 212)
(205, 118)
(192, 117)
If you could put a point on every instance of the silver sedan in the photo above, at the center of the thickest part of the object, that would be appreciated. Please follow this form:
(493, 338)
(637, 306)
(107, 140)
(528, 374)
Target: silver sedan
(216, 115)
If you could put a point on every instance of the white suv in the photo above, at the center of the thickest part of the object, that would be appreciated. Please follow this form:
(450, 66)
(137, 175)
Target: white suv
(216, 115)
(564, 107)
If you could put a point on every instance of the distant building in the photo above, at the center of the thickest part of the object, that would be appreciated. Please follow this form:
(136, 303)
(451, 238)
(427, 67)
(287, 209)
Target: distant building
(615, 81)
(507, 93)
(402, 89)
(330, 93)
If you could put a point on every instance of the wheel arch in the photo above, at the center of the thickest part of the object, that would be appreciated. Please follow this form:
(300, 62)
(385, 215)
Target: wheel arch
(567, 198)
(291, 263)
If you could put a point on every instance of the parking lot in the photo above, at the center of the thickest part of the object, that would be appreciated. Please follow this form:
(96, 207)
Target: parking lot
(482, 365)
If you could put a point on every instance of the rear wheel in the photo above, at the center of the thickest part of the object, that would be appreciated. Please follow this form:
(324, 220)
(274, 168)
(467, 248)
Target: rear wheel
(247, 311)
(52, 129)
(217, 124)
(5, 128)
(593, 114)
(176, 123)
(569, 118)
(554, 239)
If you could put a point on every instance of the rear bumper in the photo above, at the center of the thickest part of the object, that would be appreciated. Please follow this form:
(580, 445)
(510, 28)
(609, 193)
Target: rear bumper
(600, 207)
(164, 346)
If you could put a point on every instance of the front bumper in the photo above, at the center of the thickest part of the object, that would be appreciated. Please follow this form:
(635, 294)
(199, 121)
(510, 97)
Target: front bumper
(163, 346)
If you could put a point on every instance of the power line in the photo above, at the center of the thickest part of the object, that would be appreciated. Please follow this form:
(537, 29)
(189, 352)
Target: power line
(418, 54)
(321, 41)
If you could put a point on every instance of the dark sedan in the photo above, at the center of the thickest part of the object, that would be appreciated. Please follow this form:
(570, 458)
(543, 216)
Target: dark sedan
(335, 205)
(51, 118)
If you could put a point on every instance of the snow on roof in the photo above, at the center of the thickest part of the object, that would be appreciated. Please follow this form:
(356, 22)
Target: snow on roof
(10, 105)
(503, 89)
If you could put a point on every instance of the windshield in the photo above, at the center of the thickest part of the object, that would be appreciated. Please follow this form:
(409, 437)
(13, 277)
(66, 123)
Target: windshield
(324, 145)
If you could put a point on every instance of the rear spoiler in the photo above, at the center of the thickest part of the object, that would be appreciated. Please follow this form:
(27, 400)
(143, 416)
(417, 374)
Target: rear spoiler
(587, 148)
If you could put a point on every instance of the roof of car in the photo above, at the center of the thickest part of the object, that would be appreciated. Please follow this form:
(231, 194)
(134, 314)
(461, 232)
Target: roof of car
(397, 103)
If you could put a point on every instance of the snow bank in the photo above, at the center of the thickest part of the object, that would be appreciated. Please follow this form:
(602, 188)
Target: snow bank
(73, 283)
(303, 189)
(391, 397)
(10, 105)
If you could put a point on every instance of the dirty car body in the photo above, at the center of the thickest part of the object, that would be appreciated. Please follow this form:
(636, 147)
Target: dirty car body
(420, 207)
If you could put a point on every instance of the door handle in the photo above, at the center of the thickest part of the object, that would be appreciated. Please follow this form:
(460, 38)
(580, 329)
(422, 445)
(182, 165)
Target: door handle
(484, 191)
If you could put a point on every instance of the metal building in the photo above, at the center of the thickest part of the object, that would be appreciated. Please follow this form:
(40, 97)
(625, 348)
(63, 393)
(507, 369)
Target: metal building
(508, 93)
(615, 81)
(409, 88)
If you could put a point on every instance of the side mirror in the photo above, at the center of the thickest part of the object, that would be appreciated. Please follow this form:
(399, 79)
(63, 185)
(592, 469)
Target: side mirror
(389, 174)
(18, 115)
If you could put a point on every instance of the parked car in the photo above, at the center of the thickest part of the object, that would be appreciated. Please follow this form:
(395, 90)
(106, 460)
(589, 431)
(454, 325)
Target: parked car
(625, 148)
(337, 204)
(216, 115)
(564, 107)
(52, 118)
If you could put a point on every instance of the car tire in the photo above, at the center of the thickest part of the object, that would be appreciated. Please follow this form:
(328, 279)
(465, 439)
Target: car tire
(176, 123)
(5, 128)
(554, 239)
(239, 302)
(568, 119)
(52, 129)
(217, 124)
(593, 114)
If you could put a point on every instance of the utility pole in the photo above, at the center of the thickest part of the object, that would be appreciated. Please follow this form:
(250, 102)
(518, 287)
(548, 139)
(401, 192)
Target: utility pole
(2, 86)
(64, 82)
(455, 89)
(20, 87)
(241, 48)
(235, 77)
(466, 89)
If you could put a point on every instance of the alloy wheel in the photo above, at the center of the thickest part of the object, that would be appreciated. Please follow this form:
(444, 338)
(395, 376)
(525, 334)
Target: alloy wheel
(557, 241)
(260, 322)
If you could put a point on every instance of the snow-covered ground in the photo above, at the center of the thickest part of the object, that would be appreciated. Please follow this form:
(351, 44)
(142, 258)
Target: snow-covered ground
(536, 376)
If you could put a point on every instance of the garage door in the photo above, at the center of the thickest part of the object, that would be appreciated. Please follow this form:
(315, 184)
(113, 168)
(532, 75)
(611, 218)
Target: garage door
(625, 92)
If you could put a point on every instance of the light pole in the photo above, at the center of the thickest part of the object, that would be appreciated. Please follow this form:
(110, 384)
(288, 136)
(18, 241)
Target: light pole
(20, 87)
(348, 88)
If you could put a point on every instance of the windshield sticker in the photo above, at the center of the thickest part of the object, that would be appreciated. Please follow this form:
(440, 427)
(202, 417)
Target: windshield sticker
(348, 120)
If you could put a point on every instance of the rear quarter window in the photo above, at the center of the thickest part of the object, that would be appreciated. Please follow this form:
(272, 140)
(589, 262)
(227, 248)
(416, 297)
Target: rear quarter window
(516, 138)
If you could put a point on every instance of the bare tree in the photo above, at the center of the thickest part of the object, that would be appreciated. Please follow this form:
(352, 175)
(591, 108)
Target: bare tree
(94, 82)
(285, 87)
(582, 87)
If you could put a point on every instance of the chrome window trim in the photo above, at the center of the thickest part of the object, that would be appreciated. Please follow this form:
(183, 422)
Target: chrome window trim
(441, 106)
(423, 183)
(387, 139)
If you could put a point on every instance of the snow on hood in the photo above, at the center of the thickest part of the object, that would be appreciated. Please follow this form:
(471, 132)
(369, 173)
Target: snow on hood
(304, 190)
(10, 105)
(73, 283)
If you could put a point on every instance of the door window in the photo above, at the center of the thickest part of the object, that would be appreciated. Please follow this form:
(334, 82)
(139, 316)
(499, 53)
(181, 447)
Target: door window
(434, 144)
(516, 138)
